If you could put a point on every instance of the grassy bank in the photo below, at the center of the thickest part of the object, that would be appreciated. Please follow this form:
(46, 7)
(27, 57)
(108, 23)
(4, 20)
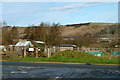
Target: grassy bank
(71, 57)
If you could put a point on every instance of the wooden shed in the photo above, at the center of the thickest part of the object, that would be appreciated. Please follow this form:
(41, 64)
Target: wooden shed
(21, 47)
(64, 47)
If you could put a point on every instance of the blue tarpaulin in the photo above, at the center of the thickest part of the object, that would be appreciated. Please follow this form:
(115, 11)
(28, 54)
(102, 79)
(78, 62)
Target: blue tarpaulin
(115, 53)
(96, 53)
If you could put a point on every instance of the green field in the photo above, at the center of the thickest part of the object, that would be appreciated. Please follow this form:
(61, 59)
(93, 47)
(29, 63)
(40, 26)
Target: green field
(72, 57)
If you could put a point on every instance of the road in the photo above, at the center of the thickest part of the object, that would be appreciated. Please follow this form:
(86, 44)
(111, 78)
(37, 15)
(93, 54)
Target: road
(54, 71)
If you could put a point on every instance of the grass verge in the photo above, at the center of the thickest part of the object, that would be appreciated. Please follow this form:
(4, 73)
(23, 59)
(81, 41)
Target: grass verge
(71, 57)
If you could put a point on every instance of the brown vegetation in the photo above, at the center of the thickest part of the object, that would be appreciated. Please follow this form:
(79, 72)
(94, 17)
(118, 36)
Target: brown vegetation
(53, 34)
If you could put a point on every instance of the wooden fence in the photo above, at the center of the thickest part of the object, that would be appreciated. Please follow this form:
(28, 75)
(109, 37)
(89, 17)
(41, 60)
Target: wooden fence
(49, 51)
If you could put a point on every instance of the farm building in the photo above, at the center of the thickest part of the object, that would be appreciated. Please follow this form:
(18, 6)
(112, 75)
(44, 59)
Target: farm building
(64, 47)
(12, 47)
(21, 47)
(39, 43)
(2, 48)
(24, 44)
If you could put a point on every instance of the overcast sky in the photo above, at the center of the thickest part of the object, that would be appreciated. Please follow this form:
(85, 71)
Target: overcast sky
(26, 13)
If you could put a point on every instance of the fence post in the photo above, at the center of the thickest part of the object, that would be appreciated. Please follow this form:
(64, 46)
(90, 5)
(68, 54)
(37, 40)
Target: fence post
(78, 49)
(24, 51)
(36, 52)
(48, 53)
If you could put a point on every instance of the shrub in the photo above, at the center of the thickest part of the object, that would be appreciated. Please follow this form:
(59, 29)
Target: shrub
(73, 54)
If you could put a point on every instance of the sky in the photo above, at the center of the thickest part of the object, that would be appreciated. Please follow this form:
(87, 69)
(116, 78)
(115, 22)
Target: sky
(28, 13)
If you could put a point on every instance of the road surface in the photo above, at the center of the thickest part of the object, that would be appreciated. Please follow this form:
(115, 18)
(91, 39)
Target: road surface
(55, 71)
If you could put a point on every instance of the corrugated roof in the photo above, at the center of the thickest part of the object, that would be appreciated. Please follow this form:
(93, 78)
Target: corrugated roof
(11, 45)
(1, 46)
(24, 43)
(39, 42)
(67, 45)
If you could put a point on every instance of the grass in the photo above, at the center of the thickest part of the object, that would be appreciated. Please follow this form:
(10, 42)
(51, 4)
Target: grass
(71, 57)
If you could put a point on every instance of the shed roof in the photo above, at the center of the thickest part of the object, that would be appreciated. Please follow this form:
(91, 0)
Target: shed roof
(39, 42)
(11, 45)
(67, 45)
(1, 46)
(24, 43)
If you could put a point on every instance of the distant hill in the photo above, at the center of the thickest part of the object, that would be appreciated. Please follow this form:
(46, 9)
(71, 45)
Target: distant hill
(89, 28)
(72, 30)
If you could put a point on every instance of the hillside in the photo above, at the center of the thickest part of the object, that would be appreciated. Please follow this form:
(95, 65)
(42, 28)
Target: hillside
(82, 29)
(91, 28)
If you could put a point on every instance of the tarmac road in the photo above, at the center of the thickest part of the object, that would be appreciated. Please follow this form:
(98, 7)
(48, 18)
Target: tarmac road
(54, 71)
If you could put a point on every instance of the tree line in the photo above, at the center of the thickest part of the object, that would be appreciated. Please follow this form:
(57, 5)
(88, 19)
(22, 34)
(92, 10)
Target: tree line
(48, 33)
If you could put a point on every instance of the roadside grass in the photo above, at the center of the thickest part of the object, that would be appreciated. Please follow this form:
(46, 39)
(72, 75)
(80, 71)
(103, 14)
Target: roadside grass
(67, 60)
(71, 57)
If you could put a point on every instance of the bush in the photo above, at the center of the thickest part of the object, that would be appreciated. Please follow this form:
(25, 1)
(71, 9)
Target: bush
(73, 54)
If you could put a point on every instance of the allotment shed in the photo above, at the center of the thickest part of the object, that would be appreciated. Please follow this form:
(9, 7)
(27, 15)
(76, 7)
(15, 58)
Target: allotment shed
(64, 47)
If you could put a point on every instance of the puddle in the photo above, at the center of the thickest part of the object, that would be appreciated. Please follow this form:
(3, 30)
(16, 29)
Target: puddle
(13, 72)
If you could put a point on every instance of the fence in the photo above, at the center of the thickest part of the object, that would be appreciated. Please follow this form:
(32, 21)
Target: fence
(49, 51)
(105, 51)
